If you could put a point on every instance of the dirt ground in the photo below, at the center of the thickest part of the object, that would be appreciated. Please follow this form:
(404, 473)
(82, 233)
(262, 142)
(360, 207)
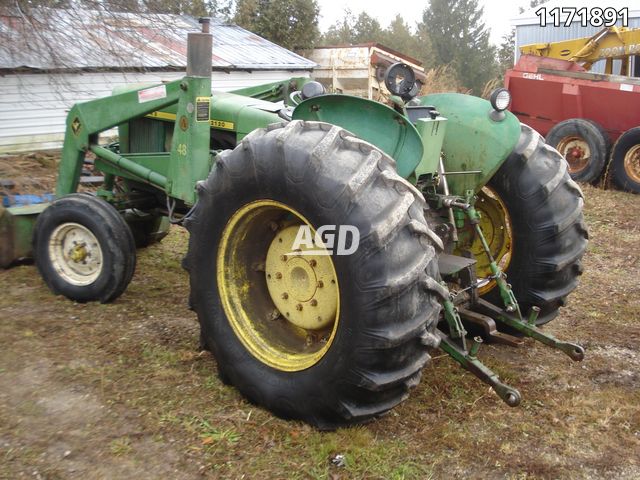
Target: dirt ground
(121, 390)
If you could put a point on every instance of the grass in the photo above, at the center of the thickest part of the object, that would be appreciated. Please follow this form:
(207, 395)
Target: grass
(211, 435)
(121, 446)
(156, 406)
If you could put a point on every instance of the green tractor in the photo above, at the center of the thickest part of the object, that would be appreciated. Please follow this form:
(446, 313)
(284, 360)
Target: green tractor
(334, 241)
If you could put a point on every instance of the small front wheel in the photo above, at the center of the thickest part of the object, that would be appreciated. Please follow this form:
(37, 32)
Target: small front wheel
(83, 249)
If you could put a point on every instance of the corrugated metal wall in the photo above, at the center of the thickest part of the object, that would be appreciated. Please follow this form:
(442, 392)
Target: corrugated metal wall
(527, 34)
(33, 107)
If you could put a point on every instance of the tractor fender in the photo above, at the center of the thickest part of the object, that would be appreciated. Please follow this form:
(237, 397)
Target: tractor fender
(473, 140)
(371, 121)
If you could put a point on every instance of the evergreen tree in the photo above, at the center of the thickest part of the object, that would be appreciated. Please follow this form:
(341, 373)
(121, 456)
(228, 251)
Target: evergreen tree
(398, 35)
(341, 32)
(366, 29)
(459, 37)
(246, 14)
(292, 24)
(506, 50)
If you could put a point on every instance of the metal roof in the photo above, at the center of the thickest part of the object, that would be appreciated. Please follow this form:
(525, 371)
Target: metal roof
(75, 39)
(379, 46)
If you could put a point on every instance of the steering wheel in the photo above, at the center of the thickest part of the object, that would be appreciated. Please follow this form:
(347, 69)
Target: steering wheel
(400, 79)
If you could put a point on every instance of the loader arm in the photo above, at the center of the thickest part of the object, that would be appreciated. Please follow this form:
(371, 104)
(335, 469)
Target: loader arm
(86, 120)
(174, 173)
(609, 44)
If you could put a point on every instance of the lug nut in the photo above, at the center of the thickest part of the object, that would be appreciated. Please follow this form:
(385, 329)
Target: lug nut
(313, 263)
(299, 307)
(278, 275)
(313, 302)
(283, 258)
(320, 284)
(285, 295)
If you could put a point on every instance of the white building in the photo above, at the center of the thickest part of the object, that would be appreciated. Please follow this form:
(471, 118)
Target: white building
(82, 55)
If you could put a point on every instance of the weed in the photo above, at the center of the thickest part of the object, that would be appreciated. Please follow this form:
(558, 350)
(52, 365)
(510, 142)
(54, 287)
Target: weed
(211, 435)
(121, 446)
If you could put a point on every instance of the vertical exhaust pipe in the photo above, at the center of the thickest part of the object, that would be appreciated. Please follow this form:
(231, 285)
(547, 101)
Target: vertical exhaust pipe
(190, 144)
(199, 51)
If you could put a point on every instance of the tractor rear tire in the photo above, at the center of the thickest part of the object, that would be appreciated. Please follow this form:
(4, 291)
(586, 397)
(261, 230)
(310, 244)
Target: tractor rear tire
(83, 249)
(587, 136)
(549, 236)
(387, 297)
(625, 161)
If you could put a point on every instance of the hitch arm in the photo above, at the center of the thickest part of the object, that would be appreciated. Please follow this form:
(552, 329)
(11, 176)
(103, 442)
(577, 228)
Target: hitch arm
(575, 352)
(470, 362)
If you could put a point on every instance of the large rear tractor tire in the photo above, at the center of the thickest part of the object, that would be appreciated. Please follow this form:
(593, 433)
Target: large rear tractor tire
(548, 236)
(625, 161)
(329, 339)
(83, 249)
(583, 144)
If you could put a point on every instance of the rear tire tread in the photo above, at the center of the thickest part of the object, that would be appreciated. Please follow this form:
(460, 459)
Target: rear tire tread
(550, 217)
(386, 349)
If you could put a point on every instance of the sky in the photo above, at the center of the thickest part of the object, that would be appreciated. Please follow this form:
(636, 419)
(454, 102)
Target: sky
(496, 13)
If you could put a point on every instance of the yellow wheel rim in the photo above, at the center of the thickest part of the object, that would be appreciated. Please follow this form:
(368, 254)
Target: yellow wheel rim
(576, 152)
(632, 163)
(497, 229)
(283, 305)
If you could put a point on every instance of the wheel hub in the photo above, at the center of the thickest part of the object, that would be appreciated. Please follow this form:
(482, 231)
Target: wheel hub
(498, 232)
(632, 163)
(576, 152)
(75, 253)
(301, 285)
(283, 305)
(78, 253)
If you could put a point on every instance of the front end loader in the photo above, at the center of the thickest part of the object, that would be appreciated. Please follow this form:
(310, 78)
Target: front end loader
(334, 241)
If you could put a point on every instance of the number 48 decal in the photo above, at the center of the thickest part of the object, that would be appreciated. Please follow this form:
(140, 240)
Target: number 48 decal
(182, 149)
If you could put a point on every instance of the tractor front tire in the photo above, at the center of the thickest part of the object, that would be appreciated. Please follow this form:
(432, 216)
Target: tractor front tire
(549, 236)
(83, 249)
(257, 300)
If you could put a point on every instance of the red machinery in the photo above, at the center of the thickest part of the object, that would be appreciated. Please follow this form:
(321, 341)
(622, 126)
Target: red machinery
(581, 114)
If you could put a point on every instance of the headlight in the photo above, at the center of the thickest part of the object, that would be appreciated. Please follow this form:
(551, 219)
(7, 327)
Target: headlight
(500, 99)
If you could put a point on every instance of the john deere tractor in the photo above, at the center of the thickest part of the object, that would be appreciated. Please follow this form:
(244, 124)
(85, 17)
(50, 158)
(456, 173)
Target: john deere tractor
(334, 241)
